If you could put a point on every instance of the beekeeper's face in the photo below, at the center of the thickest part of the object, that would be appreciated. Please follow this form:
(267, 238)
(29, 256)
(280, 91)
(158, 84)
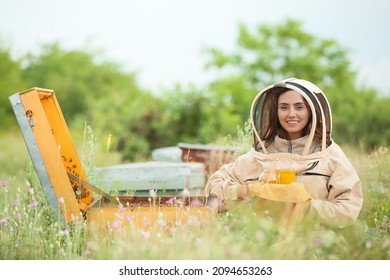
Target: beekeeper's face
(293, 113)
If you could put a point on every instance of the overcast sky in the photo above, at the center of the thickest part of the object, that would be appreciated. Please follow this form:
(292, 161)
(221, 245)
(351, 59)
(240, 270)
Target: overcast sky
(162, 40)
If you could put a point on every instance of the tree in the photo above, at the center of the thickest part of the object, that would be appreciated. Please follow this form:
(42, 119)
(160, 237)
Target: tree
(182, 111)
(274, 52)
(131, 116)
(10, 83)
(76, 76)
(96, 92)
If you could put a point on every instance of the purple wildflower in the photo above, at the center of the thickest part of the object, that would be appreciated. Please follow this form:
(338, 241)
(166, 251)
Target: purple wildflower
(34, 204)
(4, 183)
(18, 216)
(172, 230)
(15, 203)
(180, 202)
(146, 234)
(31, 191)
(86, 253)
(162, 223)
(65, 232)
(115, 224)
(121, 208)
(130, 218)
(214, 203)
(171, 200)
(318, 241)
(196, 203)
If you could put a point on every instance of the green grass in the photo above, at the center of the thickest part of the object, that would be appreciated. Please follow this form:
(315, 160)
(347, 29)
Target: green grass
(28, 231)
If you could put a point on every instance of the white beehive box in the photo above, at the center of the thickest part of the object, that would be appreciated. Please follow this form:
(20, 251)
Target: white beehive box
(141, 178)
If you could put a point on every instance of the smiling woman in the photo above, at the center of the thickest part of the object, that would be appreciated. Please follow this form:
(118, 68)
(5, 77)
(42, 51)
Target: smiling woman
(293, 114)
(292, 126)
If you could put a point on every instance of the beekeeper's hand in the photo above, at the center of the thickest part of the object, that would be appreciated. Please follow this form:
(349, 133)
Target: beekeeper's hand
(242, 191)
(294, 192)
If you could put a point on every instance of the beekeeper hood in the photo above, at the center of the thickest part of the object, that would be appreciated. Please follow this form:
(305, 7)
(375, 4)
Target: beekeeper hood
(316, 100)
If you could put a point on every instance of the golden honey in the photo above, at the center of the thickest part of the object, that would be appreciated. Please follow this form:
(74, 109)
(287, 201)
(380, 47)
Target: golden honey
(287, 176)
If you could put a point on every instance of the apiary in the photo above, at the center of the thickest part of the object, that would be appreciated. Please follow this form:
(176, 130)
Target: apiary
(65, 184)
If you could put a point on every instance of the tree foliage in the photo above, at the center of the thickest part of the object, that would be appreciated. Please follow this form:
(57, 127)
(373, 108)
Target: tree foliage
(182, 111)
(76, 77)
(271, 53)
(10, 82)
(93, 91)
(100, 93)
(130, 116)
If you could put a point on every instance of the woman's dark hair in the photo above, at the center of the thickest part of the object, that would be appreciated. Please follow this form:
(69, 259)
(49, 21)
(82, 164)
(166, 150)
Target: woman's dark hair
(273, 128)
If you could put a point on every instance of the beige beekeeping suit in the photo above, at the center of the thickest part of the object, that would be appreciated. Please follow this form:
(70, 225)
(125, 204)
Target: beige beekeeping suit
(328, 187)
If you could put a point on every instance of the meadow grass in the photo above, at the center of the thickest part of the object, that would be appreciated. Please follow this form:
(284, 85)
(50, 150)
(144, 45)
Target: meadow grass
(28, 230)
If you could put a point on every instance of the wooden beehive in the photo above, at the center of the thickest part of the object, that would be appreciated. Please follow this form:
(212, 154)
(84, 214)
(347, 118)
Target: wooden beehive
(212, 156)
(64, 181)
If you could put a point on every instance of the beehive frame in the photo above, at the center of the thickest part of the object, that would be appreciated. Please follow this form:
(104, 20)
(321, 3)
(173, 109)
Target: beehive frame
(45, 132)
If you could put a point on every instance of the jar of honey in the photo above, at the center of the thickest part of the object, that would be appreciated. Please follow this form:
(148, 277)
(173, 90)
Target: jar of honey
(287, 176)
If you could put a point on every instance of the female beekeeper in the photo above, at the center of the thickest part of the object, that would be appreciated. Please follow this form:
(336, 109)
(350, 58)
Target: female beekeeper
(292, 126)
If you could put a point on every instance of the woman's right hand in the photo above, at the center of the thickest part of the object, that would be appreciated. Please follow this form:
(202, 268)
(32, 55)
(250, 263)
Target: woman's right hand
(242, 191)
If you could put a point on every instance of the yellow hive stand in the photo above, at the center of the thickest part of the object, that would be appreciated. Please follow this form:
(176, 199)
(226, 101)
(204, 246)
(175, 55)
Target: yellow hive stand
(64, 181)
